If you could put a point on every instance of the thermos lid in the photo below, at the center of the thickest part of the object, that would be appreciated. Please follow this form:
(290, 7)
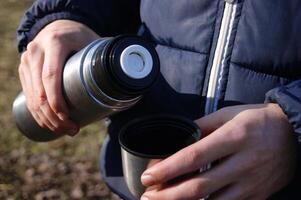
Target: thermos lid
(136, 61)
(126, 67)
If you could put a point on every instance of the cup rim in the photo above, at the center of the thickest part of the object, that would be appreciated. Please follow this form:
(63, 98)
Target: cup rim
(172, 118)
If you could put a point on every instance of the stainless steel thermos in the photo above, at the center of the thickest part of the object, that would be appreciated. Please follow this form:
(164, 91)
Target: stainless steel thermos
(107, 76)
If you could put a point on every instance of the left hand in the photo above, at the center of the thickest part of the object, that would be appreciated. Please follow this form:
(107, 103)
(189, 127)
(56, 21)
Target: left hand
(256, 153)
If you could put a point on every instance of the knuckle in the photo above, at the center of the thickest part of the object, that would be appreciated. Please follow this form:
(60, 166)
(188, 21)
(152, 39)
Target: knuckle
(32, 46)
(159, 177)
(49, 73)
(239, 133)
(39, 103)
(192, 158)
(55, 37)
(55, 105)
(23, 59)
(41, 97)
(199, 190)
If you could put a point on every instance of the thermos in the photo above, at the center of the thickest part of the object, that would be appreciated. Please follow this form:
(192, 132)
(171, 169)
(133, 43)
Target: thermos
(107, 76)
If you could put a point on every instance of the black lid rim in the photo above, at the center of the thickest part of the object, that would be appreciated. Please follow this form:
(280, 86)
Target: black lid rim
(150, 119)
(108, 73)
(133, 86)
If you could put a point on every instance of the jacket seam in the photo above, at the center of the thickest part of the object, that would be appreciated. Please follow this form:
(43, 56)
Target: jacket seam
(248, 67)
(181, 49)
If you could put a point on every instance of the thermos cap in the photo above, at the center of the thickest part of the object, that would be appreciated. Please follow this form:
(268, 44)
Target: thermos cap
(136, 61)
(125, 67)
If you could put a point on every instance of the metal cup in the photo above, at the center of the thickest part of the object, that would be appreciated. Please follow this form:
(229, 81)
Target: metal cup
(148, 140)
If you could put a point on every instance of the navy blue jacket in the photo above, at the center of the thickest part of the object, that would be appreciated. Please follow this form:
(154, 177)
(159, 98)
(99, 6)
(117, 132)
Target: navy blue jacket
(258, 43)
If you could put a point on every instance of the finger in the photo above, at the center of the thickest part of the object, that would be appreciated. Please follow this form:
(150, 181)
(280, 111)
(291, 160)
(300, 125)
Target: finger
(40, 100)
(36, 60)
(43, 121)
(25, 78)
(239, 168)
(24, 88)
(203, 184)
(189, 189)
(213, 121)
(52, 80)
(217, 145)
(58, 126)
(235, 191)
(193, 188)
(22, 78)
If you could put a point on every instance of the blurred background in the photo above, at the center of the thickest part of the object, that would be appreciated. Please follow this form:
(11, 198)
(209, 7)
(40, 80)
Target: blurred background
(63, 169)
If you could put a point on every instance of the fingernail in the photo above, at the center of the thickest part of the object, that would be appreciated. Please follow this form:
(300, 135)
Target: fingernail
(144, 198)
(62, 116)
(147, 179)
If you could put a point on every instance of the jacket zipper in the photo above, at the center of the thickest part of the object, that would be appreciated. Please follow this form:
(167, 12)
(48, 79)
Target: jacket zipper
(219, 59)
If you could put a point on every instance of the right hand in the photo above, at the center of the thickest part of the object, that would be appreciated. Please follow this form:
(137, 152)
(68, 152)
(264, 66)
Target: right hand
(41, 71)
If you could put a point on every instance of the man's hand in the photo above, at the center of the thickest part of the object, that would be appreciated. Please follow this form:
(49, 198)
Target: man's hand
(256, 153)
(41, 68)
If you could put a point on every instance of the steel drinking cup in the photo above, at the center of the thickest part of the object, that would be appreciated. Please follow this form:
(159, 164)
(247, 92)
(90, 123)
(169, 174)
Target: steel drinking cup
(147, 140)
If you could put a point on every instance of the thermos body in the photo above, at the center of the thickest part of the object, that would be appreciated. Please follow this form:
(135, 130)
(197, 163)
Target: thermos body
(107, 76)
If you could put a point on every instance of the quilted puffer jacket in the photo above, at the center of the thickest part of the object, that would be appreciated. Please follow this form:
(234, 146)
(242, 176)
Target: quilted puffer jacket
(213, 53)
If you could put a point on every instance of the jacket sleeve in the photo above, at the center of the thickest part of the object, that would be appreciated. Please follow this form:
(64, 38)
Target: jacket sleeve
(105, 17)
(289, 99)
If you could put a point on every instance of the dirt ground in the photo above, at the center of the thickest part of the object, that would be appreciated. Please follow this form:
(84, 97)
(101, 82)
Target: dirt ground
(63, 169)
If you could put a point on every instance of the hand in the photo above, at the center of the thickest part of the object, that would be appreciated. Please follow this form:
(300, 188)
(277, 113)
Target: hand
(41, 68)
(256, 153)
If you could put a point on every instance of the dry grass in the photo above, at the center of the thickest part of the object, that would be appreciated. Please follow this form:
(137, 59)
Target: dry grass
(63, 169)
